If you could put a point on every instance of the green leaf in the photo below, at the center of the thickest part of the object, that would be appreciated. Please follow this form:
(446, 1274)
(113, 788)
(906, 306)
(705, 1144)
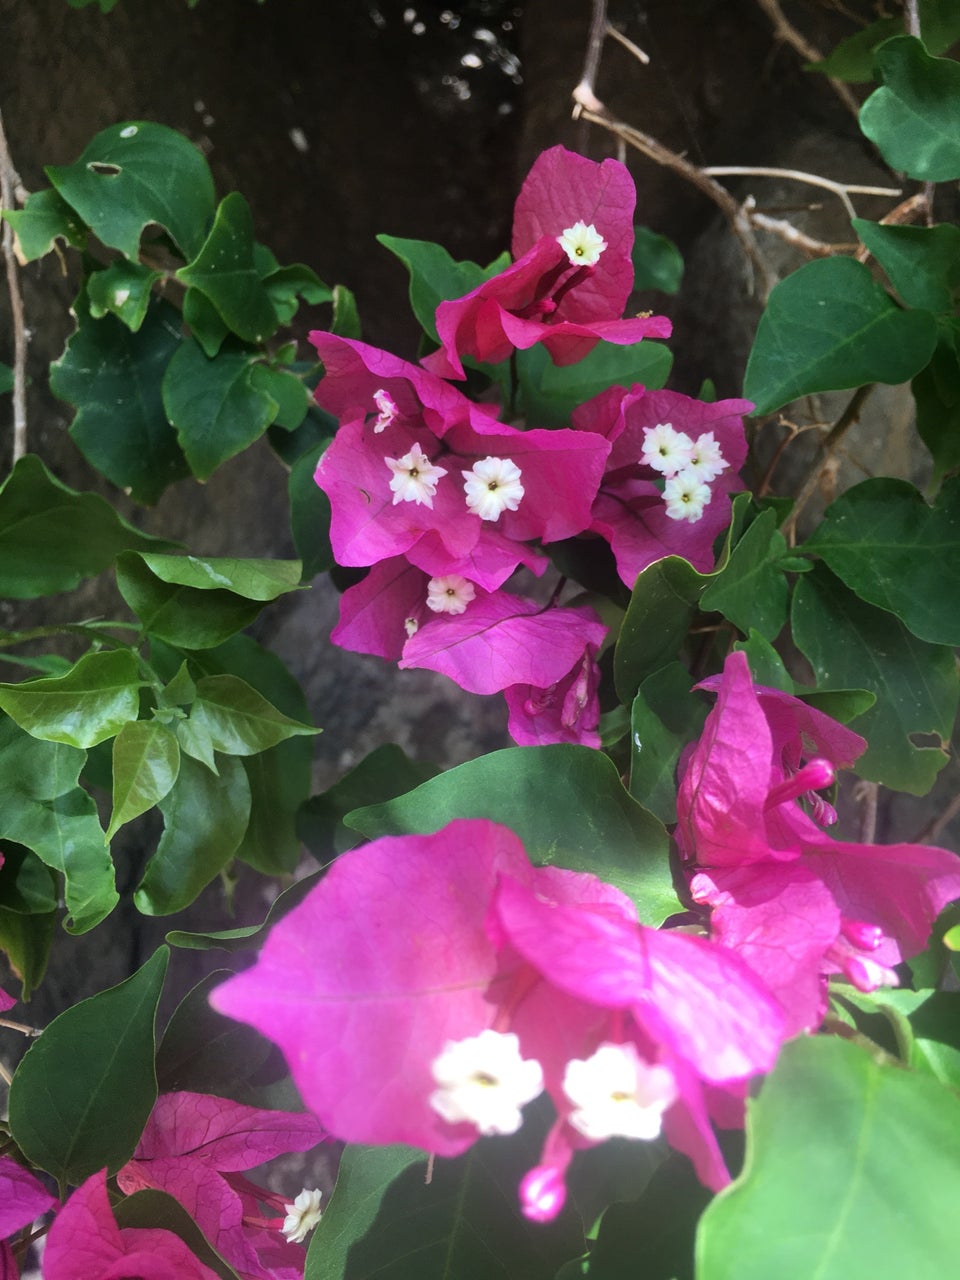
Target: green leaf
(284, 285)
(551, 392)
(123, 289)
(914, 117)
(146, 761)
(751, 590)
(113, 377)
(668, 591)
(852, 59)
(44, 219)
(830, 326)
(893, 550)
(204, 321)
(566, 804)
(939, 24)
(238, 720)
(89, 704)
(252, 579)
(851, 644)
(766, 665)
(204, 818)
(435, 277)
(225, 271)
(152, 1210)
(246, 936)
(206, 1052)
(665, 716)
(386, 773)
(6, 378)
(936, 391)
(215, 405)
(286, 390)
(923, 263)
(850, 1172)
(51, 537)
(657, 262)
(346, 317)
(83, 1092)
(42, 807)
(310, 515)
(134, 174)
(27, 941)
(26, 885)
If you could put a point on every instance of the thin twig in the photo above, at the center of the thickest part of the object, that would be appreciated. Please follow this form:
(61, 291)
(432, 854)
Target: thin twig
(586, 90)
(911, 18)
(792, 235)
(8, 184)
(841, 189)
(21, 1027)
(866, 794)
(635, 49)
(785, 31)
(5, 1075)
(933, 828)
(828, 447)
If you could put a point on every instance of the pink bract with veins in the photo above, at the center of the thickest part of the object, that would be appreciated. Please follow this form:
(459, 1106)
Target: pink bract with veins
(566, 711)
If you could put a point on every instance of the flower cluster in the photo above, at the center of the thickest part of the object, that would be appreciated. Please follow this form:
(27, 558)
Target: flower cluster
(476, 982)
(443, 503)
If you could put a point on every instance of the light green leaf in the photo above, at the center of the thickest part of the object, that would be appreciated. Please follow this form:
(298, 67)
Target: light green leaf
(830, 326)
(134, 174)
(851, 1171)
(123, 289)
(914, 117)
(83, 1092)
(89, 704)
(248, 936)
(238, 720)
(551, 392)
(567, 805)
(44, 219)
(204, 818)
(146, 761)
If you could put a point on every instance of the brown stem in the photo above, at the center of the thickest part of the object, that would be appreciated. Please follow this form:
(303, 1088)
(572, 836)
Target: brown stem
(828, 447)
(931, 832)
(8, 185)
(785, 31)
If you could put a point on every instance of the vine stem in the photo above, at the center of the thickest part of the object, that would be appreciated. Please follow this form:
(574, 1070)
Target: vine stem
(785, 31)
(9, 182)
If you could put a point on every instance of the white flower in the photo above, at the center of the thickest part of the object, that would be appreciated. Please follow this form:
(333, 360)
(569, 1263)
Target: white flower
(302, 1216)
(411, 626)
(388, 410)
(484, 1081)
(414, 477)
(582, 244)
(449, 594)
(666, 450)
(706, 460)
(685, 496)
(615, 1094)
(493, 486)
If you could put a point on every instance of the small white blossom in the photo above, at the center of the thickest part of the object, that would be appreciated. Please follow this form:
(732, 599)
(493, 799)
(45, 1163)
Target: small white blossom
(484, 1081)
(414, 477)
(411, 626)
(450, 594)
(685, 496)
(583, 244)
(666, 450)
(706, 460)
(615, 1094)
(492, 487)
(388, 410)
(302, 1216)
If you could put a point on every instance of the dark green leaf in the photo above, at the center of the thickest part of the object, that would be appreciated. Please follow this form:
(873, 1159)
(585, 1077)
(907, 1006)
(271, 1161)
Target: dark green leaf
(657, 262)
(205, 1051)
(238, 720)
(566, 804)
(83, 1092)
(244, 937)
(26, 885)
(89, 704)
(152, 1210)
(852, 59)
(284, 285)
(134, 174)
(850, 1172)
(215, 405)
(750, 590)
(346, 317)
(435, 277)
(51, 537)
(27, 941)
(830, 326)
(841, 704)
(939, 24)
(123, 289)
(310, 515)
(6, 378)
(850, 645)
(113, 377)
(766, 665)
(668, 591)
(225, 271)
(923, 263)
(936, 391)
(42, 807)
(146, 761)
(286, 390)
(204, 321)
(551, 392)
(665, 716)
(914, 117)
(44, 219)
(204, 816)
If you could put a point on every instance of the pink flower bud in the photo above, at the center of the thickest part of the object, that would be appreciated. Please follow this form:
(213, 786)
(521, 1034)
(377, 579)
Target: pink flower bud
(543, 1193)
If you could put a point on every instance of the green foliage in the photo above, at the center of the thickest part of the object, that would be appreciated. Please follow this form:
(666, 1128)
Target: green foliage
(668, 590)
(852, 59)
(751, 590)
(551, 392)
(123, 289)
(87, 705)
(435, 277)
(146, 761)
(923, 263)
(44, 219)
(914, 117)
(657, 262)
(664, 717)
(936, 391)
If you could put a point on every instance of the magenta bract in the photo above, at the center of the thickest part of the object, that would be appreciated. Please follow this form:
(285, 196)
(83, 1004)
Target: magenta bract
(22, 1197)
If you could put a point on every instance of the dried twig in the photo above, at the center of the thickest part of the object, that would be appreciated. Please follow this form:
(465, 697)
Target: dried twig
(8, 185)
(828, 447)
(840, 189)
(635, 49)
(785, 31)
(866, 794)
(792, 235)
(931, 832)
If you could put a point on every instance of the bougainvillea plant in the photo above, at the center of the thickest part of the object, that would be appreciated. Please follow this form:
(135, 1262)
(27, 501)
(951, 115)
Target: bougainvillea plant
(634, 995)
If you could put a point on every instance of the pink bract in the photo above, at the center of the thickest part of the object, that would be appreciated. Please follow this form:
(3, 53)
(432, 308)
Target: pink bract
(22, 1197)
(566, 711)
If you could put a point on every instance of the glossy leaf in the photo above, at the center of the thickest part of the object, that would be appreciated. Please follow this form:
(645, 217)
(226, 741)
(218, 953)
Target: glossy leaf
(435, 277)
(665, 716)
(895, 551)
(668, 591)
(566, 804)
(214, 405)
(146, 761)
(89, 704)
(113, 377)
(42, 807)
(205, 816)
(851, 644)
(551, 392)
(123, 289)
(238, 720)
(130, 175)
(225, 271)
(657, 262)
(914, 117)
(96, 1061)
(830, 326)
(44, 219)
(52, 537)
(923, 263)
(834, 1140)
(751, 590)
